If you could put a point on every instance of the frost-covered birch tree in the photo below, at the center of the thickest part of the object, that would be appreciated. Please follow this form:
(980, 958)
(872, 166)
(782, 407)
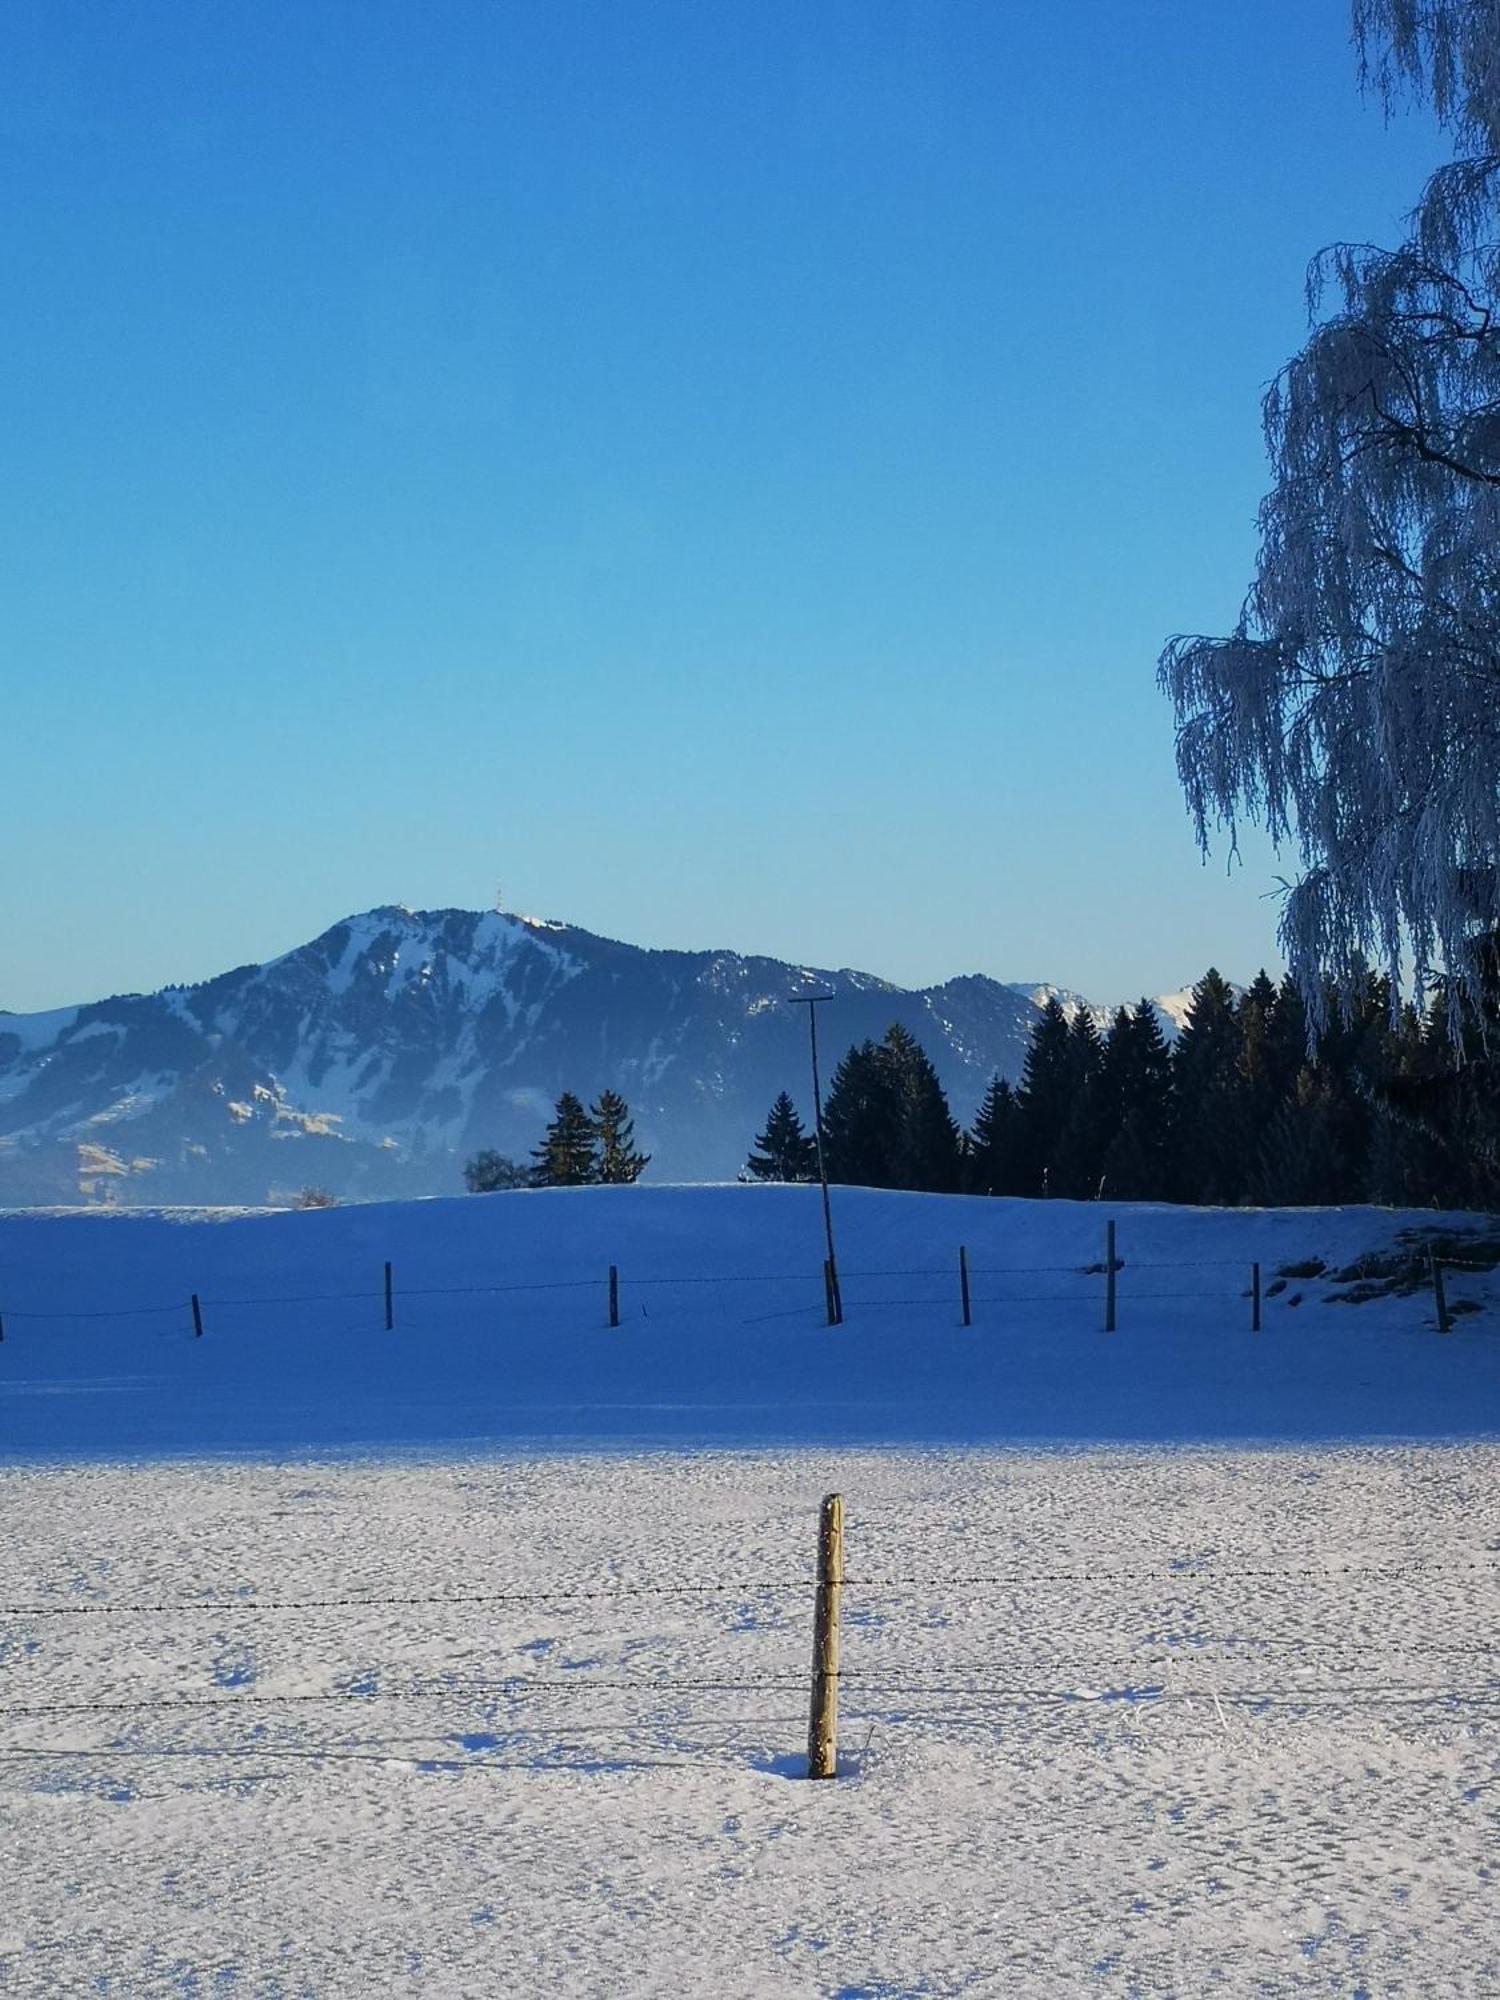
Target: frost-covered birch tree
(1355, 710)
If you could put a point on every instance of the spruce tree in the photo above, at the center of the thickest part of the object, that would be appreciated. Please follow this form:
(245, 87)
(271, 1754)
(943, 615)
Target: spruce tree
(566, 1156)
(1212, 1165)
(1454, 1101)
(1136, 1087)
(862, 1119)
(928, 1151)
(1410, 1162)
(1338, 1067)
(1301, 1163)
(784, 1152)
(1259, 1068)
(619, 1160)
(1044, 1099)
(1286, 1044)
(992, 1143)
(1079, 1159)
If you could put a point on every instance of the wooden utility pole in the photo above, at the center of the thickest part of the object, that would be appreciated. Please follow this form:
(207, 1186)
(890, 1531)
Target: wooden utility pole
(963, 1284)
(614, 1295)
(812, 1002)
(823, 1723)
(390, 1302)
(197, 1318)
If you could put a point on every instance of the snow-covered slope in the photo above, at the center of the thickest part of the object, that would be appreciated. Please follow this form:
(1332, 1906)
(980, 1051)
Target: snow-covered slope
(375, 1059)
(500, 1325)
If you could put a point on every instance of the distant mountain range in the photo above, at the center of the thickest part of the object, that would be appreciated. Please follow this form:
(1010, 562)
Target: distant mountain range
(373, 1061)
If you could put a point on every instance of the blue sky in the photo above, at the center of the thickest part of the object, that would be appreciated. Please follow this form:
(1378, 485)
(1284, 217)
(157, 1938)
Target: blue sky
(723, 473)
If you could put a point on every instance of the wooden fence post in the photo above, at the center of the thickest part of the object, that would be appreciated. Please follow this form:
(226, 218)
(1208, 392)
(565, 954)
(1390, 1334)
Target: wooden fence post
(1255, 1298)
(614, 1296)
(390, 1303)
(1439, 1294)
(1109, 1277)
(823, 1723)
(963, 1284)
(197, 1318)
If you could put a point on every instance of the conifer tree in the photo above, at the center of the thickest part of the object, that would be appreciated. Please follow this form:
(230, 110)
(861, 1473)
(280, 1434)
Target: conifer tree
(1286, 1044)
(1136, 1085)
(1454, 1099)
(784, 1152)
(1080, 1148)
(1405, 1166)
(1258, 1065)
(1044, 1098)
(862, 1119)
(927, 1155)
(619, 1160)
(1412, 1161)
(992, 1143)
(1353, 1059)
(566, 1156)
(1303, 1168)
(1210, 1140)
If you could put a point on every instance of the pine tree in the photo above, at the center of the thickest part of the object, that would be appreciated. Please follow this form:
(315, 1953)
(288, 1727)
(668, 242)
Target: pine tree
(784, 1152)
(928, 1152)
(1300, 1167)
(992, 1143)
(619, 1161)
(566, 1156)
(1210, 1143)
(1452, 1100)
(1044, 1098)
(1353, 1062)
(1079, 1160)
(862, 1119)
(1258, 1066)
(1136, 1088)
(1286, 1044)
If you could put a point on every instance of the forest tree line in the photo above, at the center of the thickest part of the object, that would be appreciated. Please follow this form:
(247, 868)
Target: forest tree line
(1246, 1106)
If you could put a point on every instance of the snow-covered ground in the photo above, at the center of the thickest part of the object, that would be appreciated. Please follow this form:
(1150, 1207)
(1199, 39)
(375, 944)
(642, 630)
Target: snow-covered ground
(501, 1331)
(324, 1670)
(1114, 1723)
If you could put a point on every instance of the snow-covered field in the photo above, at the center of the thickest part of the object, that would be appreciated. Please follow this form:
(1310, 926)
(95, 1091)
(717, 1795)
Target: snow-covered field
(501, 1332)
(1209, 1721)
(324, 1671)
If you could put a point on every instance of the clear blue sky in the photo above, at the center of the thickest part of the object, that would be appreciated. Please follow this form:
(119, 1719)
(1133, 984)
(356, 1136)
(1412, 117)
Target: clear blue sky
(723, 472)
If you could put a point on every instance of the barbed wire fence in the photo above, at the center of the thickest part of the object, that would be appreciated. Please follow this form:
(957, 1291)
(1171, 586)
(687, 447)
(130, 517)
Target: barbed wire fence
(1104, 1287)
(962, 1689)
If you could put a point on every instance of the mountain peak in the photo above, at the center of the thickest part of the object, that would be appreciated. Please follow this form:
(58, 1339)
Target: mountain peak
(376, 1057)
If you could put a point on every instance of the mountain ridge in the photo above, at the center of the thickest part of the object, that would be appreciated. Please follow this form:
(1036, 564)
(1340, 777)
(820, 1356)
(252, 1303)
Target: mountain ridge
(375, 1057)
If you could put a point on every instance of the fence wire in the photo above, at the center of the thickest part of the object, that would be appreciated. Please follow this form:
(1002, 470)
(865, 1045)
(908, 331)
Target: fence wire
(1078, 1286)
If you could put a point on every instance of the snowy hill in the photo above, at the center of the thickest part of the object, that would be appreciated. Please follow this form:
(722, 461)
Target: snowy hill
(375, 1059)
(501, 1334)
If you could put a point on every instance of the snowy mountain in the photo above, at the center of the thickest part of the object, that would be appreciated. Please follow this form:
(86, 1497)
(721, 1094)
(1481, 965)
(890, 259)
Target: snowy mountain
(374, 1060)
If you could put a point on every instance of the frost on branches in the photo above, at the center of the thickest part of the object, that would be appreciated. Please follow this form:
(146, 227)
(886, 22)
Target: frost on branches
(1355, 710)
